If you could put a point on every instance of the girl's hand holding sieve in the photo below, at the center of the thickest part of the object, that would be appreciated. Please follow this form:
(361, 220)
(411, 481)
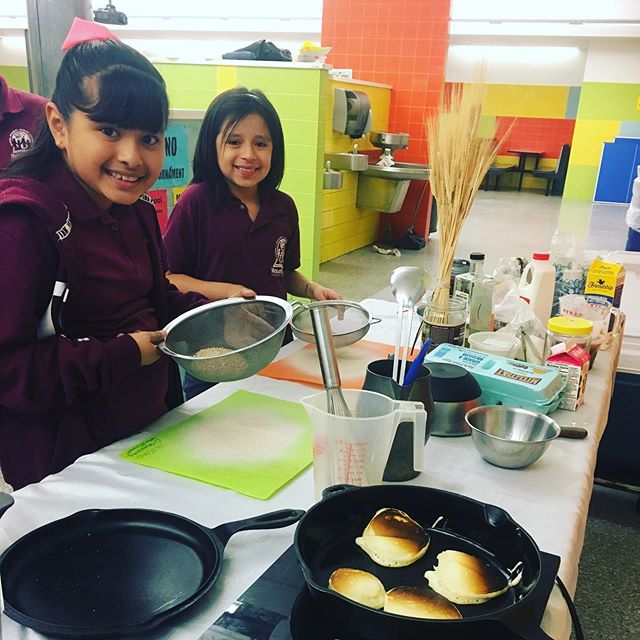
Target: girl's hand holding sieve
(147, 341)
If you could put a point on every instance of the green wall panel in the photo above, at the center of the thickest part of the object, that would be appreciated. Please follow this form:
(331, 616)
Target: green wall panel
(305, 203)
(290, 81)
(296, 107)
(189, 86)
(16, 77)
(581, 182)
(303, 180)
(303, 132)
(609, 101)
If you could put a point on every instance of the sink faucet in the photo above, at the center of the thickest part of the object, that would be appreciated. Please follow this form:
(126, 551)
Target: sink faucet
(386, 158)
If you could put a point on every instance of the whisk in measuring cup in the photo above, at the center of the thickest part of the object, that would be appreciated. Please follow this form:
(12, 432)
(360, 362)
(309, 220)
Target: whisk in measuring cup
(336, 404)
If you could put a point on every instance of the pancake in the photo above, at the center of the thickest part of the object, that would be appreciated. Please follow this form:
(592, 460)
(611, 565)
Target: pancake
(419, 602)
(359, 586)
(393, 539)
(466, 579)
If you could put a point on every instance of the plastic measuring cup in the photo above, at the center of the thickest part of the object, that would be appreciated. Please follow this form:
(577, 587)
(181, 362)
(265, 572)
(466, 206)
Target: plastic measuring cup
(354, 450)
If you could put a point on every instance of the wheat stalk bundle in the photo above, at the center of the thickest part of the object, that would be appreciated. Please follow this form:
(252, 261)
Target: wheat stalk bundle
(462, 147)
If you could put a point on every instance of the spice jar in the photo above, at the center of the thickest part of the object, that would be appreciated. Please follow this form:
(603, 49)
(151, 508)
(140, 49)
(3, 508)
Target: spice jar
(444, 323)
(565, 328)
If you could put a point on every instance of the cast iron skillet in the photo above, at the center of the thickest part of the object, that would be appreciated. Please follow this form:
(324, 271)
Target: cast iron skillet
(115, 572)
(325, 541)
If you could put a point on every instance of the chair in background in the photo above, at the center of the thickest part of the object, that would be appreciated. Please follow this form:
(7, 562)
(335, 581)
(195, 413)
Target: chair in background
(497, 171)
(555, 178)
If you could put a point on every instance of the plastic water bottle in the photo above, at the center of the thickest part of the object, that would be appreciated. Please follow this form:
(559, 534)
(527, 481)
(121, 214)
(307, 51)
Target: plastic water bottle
(537, 285)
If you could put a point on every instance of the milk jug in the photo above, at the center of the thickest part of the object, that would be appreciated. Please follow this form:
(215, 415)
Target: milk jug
(537, 285)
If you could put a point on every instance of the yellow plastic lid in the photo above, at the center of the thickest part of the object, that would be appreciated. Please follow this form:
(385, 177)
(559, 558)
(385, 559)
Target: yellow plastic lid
(570, 326)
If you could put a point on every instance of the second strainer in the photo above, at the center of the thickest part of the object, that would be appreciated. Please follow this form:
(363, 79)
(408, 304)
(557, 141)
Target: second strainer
(349, 321)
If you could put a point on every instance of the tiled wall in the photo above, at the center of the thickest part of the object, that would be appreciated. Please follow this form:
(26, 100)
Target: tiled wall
(605, 110)
(542, 119)
(344, 227)
(402, 43)
(300, 97)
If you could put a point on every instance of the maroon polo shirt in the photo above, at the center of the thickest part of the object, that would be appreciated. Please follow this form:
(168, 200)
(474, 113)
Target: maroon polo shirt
(68, 394)
(225, 245)
(20, 115)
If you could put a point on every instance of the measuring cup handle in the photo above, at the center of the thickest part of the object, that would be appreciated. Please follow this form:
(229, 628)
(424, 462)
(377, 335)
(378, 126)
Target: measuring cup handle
(408, 411)
(618, 317)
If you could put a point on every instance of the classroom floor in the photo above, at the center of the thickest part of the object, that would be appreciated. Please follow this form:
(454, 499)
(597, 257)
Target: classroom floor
(515, 224)
(501, 223)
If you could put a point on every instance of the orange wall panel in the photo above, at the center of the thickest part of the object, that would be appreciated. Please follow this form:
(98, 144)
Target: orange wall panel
(403, 43)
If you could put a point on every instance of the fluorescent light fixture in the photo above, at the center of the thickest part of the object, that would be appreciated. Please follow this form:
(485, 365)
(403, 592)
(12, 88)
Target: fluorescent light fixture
(497, 53)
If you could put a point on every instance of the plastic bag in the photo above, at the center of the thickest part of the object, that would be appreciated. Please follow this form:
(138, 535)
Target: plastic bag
(259, 50)
(518, 319)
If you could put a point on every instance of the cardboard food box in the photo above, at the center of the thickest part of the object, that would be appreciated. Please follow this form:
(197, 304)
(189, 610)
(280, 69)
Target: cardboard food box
(605, 280)
(572, 361)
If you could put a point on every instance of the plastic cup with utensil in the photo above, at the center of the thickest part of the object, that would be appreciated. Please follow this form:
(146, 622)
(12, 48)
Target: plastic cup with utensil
(354, 450)
(379, 378)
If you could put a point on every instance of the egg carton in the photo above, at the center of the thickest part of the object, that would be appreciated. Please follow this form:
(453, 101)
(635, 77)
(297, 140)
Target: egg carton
(506, 381)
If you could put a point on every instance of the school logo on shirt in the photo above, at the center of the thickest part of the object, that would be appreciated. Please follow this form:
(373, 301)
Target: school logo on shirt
(20, 140)
(278, 266)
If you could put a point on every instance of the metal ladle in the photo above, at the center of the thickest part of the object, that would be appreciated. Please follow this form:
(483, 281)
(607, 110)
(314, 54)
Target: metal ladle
(408, 285)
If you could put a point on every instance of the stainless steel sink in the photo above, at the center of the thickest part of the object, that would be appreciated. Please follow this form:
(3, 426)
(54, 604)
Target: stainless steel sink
(347, 161)
(399, 171)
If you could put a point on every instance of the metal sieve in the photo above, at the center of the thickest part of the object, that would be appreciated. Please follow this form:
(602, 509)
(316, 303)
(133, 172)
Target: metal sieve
(349, 321)
(228, 339)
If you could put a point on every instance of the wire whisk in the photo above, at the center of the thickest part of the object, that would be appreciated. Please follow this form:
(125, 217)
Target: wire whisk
(336, 404)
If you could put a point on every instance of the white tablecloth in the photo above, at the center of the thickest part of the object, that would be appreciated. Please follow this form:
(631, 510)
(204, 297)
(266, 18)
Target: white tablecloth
(550, 499)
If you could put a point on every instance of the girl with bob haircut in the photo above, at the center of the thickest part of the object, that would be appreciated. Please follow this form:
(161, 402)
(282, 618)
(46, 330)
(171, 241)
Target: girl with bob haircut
(233, 232)
(82, 278)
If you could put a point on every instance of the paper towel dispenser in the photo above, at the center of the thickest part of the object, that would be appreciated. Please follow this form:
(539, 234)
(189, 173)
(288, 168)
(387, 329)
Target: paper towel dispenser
(351, 112)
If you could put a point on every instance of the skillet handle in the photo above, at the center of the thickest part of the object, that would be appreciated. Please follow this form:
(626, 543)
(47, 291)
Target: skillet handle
(337, 489)
(273, 520)
(5, 502)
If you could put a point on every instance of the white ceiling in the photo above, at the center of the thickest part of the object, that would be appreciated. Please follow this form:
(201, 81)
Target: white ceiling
(568, 22)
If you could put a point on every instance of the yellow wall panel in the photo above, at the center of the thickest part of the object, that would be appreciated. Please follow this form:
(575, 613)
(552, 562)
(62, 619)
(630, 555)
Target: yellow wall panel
(338, 198)
(344, 227)
(588, 137)
(226, 78)
(526, 101)
(380, 101)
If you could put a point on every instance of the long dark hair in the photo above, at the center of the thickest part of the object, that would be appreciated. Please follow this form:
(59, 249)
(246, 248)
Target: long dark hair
(227, 110)
(131, 94)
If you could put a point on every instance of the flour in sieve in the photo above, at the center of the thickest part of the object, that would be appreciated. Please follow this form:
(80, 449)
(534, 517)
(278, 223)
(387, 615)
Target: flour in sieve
(226, 368)
(246, 436)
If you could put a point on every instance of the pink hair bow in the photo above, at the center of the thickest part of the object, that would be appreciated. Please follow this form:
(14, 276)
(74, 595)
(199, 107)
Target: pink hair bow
(83, 30)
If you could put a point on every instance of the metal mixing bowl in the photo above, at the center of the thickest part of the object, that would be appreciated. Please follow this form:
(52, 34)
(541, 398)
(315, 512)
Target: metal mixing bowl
(509, 437)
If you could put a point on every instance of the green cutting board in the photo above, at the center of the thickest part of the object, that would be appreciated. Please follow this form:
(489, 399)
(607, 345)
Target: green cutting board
(251, 443)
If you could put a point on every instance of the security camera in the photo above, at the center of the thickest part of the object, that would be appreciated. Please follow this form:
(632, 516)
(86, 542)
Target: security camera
(109, 15)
